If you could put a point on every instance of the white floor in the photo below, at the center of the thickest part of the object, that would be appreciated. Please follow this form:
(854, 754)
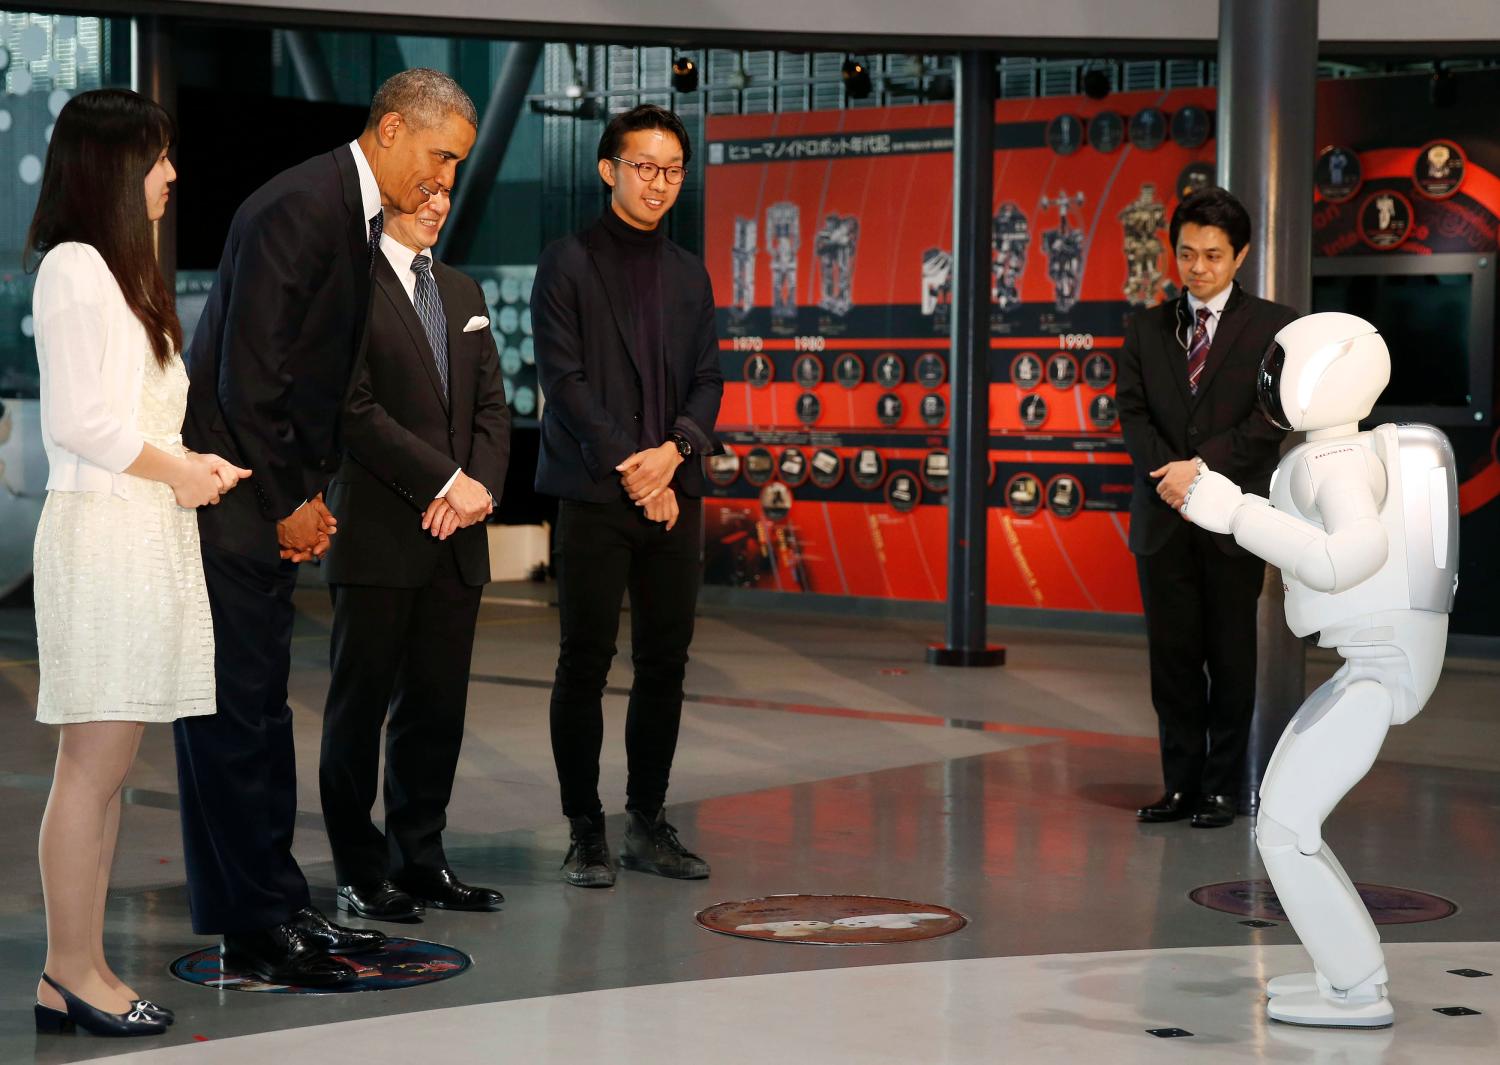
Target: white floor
(1076, 1008)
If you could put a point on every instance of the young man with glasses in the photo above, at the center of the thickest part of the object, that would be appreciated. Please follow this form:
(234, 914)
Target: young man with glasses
(629, 363)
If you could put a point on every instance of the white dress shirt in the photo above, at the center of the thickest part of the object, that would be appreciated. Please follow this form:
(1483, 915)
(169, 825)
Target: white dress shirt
(1215, 308)
(369, 191)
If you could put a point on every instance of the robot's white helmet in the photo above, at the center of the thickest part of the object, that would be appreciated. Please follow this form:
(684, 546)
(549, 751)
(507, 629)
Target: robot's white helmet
(1323, 370)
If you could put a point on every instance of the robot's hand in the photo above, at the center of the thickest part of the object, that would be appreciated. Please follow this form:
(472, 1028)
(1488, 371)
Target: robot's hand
(1211, 502)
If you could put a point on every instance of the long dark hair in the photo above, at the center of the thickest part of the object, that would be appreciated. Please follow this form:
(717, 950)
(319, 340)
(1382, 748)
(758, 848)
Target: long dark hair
(93, 191)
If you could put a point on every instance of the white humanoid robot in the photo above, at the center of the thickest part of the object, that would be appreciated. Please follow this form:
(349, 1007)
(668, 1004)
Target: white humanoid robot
(1364, 527)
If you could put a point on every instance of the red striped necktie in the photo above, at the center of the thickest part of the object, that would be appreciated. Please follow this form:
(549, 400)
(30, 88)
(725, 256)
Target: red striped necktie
(1198, 350)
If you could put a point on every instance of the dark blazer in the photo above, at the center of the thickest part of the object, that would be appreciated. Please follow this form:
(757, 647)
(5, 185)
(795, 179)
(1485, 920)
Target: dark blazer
(584, 327)
(1163, 422)
(271, 358)
(404, 441)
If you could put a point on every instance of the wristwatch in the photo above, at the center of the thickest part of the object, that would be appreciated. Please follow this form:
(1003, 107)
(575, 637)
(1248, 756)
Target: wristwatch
(684, 445)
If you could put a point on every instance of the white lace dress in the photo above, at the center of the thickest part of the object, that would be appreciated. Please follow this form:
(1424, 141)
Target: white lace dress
(122, 621)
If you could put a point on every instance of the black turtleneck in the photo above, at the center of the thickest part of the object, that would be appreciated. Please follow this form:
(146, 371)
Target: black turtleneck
(639, 252)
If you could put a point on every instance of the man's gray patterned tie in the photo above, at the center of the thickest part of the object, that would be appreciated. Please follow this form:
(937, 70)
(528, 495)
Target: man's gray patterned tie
(377, 227)
(430, 309)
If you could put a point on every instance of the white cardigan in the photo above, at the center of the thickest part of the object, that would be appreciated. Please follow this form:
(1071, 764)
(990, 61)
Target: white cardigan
(92, 350)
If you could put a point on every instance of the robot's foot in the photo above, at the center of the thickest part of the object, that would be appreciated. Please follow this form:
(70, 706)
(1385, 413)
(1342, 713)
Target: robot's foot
(1291, 984)
(1312, 1010)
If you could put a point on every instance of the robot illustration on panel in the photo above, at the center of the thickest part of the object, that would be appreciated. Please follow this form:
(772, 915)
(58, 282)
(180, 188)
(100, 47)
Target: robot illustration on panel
(743, 255)
(783, 240)
(1064, 248)
(1012, 237)
(937, 280)
(1364, 527)
(834, 245)
(1142, 220)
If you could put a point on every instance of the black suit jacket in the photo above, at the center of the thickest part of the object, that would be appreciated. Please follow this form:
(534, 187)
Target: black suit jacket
(1163, 422)
(404, 440)
(584, 326)
(271, 358)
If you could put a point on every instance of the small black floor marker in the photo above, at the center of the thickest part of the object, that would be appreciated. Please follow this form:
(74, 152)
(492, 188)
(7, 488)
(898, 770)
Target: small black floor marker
(1456, 1011)
(1178, 1033)
(1470, 973)
(1259, 924)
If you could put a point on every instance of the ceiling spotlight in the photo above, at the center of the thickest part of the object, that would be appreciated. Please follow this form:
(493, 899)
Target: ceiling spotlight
(857, 84)
(684, 74)
(573, 91)
(1096, 84)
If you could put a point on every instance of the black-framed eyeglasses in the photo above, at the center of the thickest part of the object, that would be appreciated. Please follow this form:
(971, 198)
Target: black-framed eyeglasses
(648, 171)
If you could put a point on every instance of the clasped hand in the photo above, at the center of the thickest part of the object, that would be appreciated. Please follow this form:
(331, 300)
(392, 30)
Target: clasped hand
(467, 502)
(204, 479)
(1173, 480)
(647, 474)
(305, 533)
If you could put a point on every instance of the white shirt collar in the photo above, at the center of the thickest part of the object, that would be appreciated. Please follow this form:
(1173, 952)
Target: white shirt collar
(400, 257)
(1215, 305)
(369, 190)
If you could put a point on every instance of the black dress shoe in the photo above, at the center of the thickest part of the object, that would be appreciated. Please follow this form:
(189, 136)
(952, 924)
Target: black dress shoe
(651, 846)
(442, 889)
(79, 1014)
(1214, 811)
(380, 901)
(335, 938)
(284, 954)
(1173, 806)
(588, 863)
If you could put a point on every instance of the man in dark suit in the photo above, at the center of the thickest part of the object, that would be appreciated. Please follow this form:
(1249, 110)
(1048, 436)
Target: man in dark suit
(270, 365)
(427, 434)
(1187, 397)
(628, 359)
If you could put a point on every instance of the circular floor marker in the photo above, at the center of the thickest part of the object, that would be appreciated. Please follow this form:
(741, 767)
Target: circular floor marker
(402, 963)
(832, 920)
(1387, 905)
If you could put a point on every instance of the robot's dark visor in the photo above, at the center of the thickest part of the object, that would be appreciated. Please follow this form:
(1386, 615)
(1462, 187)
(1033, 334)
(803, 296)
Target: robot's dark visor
(1268, 384)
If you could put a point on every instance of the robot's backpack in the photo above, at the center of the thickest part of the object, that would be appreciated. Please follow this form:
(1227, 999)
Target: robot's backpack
(1429, 502)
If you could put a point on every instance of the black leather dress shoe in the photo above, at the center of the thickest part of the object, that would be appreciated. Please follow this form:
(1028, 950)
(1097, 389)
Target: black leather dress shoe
(380, 901)
(1173, 806)
(1214, 811)
(284, 954)
(335, 938)
(445, 891)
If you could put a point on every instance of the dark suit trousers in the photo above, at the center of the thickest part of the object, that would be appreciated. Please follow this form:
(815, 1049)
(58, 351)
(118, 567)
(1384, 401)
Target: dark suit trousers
(236, 769)
(400, 658)
(603, 549)
(1200, 623)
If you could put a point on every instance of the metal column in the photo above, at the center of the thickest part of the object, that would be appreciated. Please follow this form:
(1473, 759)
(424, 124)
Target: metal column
(1268, 63)
(153, 74)
(968, 432)
(311, 67)
(483, 165)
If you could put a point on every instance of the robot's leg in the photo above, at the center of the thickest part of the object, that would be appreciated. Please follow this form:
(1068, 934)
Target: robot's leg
(1329, 746)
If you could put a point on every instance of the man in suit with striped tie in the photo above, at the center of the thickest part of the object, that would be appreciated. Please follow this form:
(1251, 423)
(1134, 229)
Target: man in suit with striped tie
(1187, 397)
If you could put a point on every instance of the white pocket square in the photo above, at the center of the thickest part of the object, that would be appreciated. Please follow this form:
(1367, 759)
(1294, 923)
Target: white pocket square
(476, 322)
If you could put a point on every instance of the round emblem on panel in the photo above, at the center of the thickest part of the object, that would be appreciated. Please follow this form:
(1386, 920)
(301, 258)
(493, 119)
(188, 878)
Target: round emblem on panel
(1102, 412)
(1023, 494)
(868, 467)
(903, 492)
(1026, 371)
(759, 370)
(760, 467)
(935, 470)
(1098, 370)
(826, 468)
(1439, 169)
(1148, 129)
(889, 370)
(807, 371)
(934, 409)
(1106, 131)
(793, 466)
(1192, 126)
(722, 469)
(1033, 411)
(1194, 178)
(889, 409)
(1062, 370)
(776, 501)
(1338, 174)
(1065, 134)
(849, 370)
(931, 371)
(809, 407)
(1064, 495)
(1385, 219)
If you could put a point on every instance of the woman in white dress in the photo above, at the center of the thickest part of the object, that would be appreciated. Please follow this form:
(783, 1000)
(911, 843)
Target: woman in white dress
(123, 629)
